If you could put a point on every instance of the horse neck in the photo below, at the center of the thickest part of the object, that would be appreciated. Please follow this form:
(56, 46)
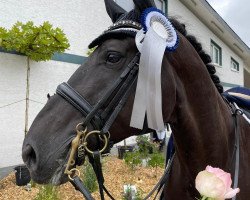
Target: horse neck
(202, 124)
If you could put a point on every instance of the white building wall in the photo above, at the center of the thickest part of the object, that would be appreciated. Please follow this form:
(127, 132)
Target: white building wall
(44, 78)
(81, 21)
(12, 107)
(204, 35)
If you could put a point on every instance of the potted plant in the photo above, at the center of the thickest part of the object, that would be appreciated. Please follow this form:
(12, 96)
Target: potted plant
(22, 175)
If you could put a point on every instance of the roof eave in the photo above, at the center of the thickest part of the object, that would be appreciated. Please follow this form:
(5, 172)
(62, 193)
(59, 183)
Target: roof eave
(205, 12)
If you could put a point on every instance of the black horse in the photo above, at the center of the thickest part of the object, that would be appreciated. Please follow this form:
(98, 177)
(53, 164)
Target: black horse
(202, 123)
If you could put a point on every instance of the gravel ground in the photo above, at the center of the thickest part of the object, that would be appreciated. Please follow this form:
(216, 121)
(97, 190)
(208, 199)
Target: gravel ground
(116, 174)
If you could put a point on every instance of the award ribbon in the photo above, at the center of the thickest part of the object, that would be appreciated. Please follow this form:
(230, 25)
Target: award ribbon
(157, 36)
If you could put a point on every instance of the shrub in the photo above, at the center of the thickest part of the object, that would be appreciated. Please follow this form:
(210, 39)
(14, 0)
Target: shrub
(47, 192)
(156, 160)
(145, 147)
(89, 178)
(39, 43)
(146, 150)
(132, 159)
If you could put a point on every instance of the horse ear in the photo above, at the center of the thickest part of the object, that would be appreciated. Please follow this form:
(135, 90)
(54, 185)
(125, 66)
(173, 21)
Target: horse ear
(114, 10)
(143, 4)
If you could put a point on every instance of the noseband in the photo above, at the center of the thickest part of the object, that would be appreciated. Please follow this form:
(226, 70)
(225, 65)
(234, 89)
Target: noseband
(98, 116)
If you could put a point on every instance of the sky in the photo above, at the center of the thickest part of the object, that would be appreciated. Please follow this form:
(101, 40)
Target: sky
(237, 15)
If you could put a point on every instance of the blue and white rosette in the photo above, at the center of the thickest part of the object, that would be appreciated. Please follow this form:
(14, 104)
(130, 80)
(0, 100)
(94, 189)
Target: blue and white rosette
(156, 37)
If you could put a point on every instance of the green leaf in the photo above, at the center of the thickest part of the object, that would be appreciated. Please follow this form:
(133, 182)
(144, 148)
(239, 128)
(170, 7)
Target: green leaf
(39, 43)
(156, 160)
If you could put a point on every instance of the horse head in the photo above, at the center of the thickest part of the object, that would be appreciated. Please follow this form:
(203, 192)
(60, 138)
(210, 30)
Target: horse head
(105, 85)
(47, 144)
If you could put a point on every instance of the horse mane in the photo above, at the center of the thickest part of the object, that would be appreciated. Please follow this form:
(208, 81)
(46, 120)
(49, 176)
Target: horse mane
(203, 55)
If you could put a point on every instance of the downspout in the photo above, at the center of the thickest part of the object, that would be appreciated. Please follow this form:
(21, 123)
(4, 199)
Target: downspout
(27, 97)
(166, 7)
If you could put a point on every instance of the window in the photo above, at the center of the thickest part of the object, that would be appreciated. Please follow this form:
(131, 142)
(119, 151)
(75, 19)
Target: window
(234, 65)
(125, 4)
(216, 53)
(160, 5)
(129, 5)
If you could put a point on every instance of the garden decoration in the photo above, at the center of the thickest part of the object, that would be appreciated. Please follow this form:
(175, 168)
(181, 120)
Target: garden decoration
(98, 100)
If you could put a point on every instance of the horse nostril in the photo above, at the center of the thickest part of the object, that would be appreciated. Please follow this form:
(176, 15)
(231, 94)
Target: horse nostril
(29, 156)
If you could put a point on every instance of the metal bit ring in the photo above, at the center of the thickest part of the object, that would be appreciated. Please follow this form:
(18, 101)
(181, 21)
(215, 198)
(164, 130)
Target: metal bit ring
(77, 173)
(78, 127)
(108, 136)
(96, 132)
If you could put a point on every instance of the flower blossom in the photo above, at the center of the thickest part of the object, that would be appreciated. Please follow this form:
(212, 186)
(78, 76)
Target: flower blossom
(215, 184)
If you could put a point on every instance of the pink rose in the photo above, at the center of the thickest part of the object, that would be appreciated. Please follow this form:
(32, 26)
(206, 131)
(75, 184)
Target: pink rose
(215, 183)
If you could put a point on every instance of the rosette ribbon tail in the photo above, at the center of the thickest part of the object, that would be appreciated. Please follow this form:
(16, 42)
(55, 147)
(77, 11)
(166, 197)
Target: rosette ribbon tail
(157, 36)
(148, 97)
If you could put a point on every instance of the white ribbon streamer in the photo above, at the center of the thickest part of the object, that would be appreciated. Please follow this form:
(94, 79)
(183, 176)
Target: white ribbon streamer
(148, 97)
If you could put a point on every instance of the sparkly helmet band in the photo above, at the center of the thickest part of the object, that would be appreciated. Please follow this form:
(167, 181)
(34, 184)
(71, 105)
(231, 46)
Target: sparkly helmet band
(118, 30)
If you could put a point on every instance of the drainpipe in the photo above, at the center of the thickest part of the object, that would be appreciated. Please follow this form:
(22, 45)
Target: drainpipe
(27, 97)
(166, 7)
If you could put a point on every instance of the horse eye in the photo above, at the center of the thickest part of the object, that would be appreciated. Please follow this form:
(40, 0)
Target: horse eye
(113, 58)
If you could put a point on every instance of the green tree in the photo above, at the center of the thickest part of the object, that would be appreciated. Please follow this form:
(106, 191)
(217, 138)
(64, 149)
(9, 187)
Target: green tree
(38, 43)
(145, 146)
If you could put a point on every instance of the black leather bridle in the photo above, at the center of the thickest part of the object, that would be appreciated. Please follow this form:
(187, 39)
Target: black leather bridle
(102, 115)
